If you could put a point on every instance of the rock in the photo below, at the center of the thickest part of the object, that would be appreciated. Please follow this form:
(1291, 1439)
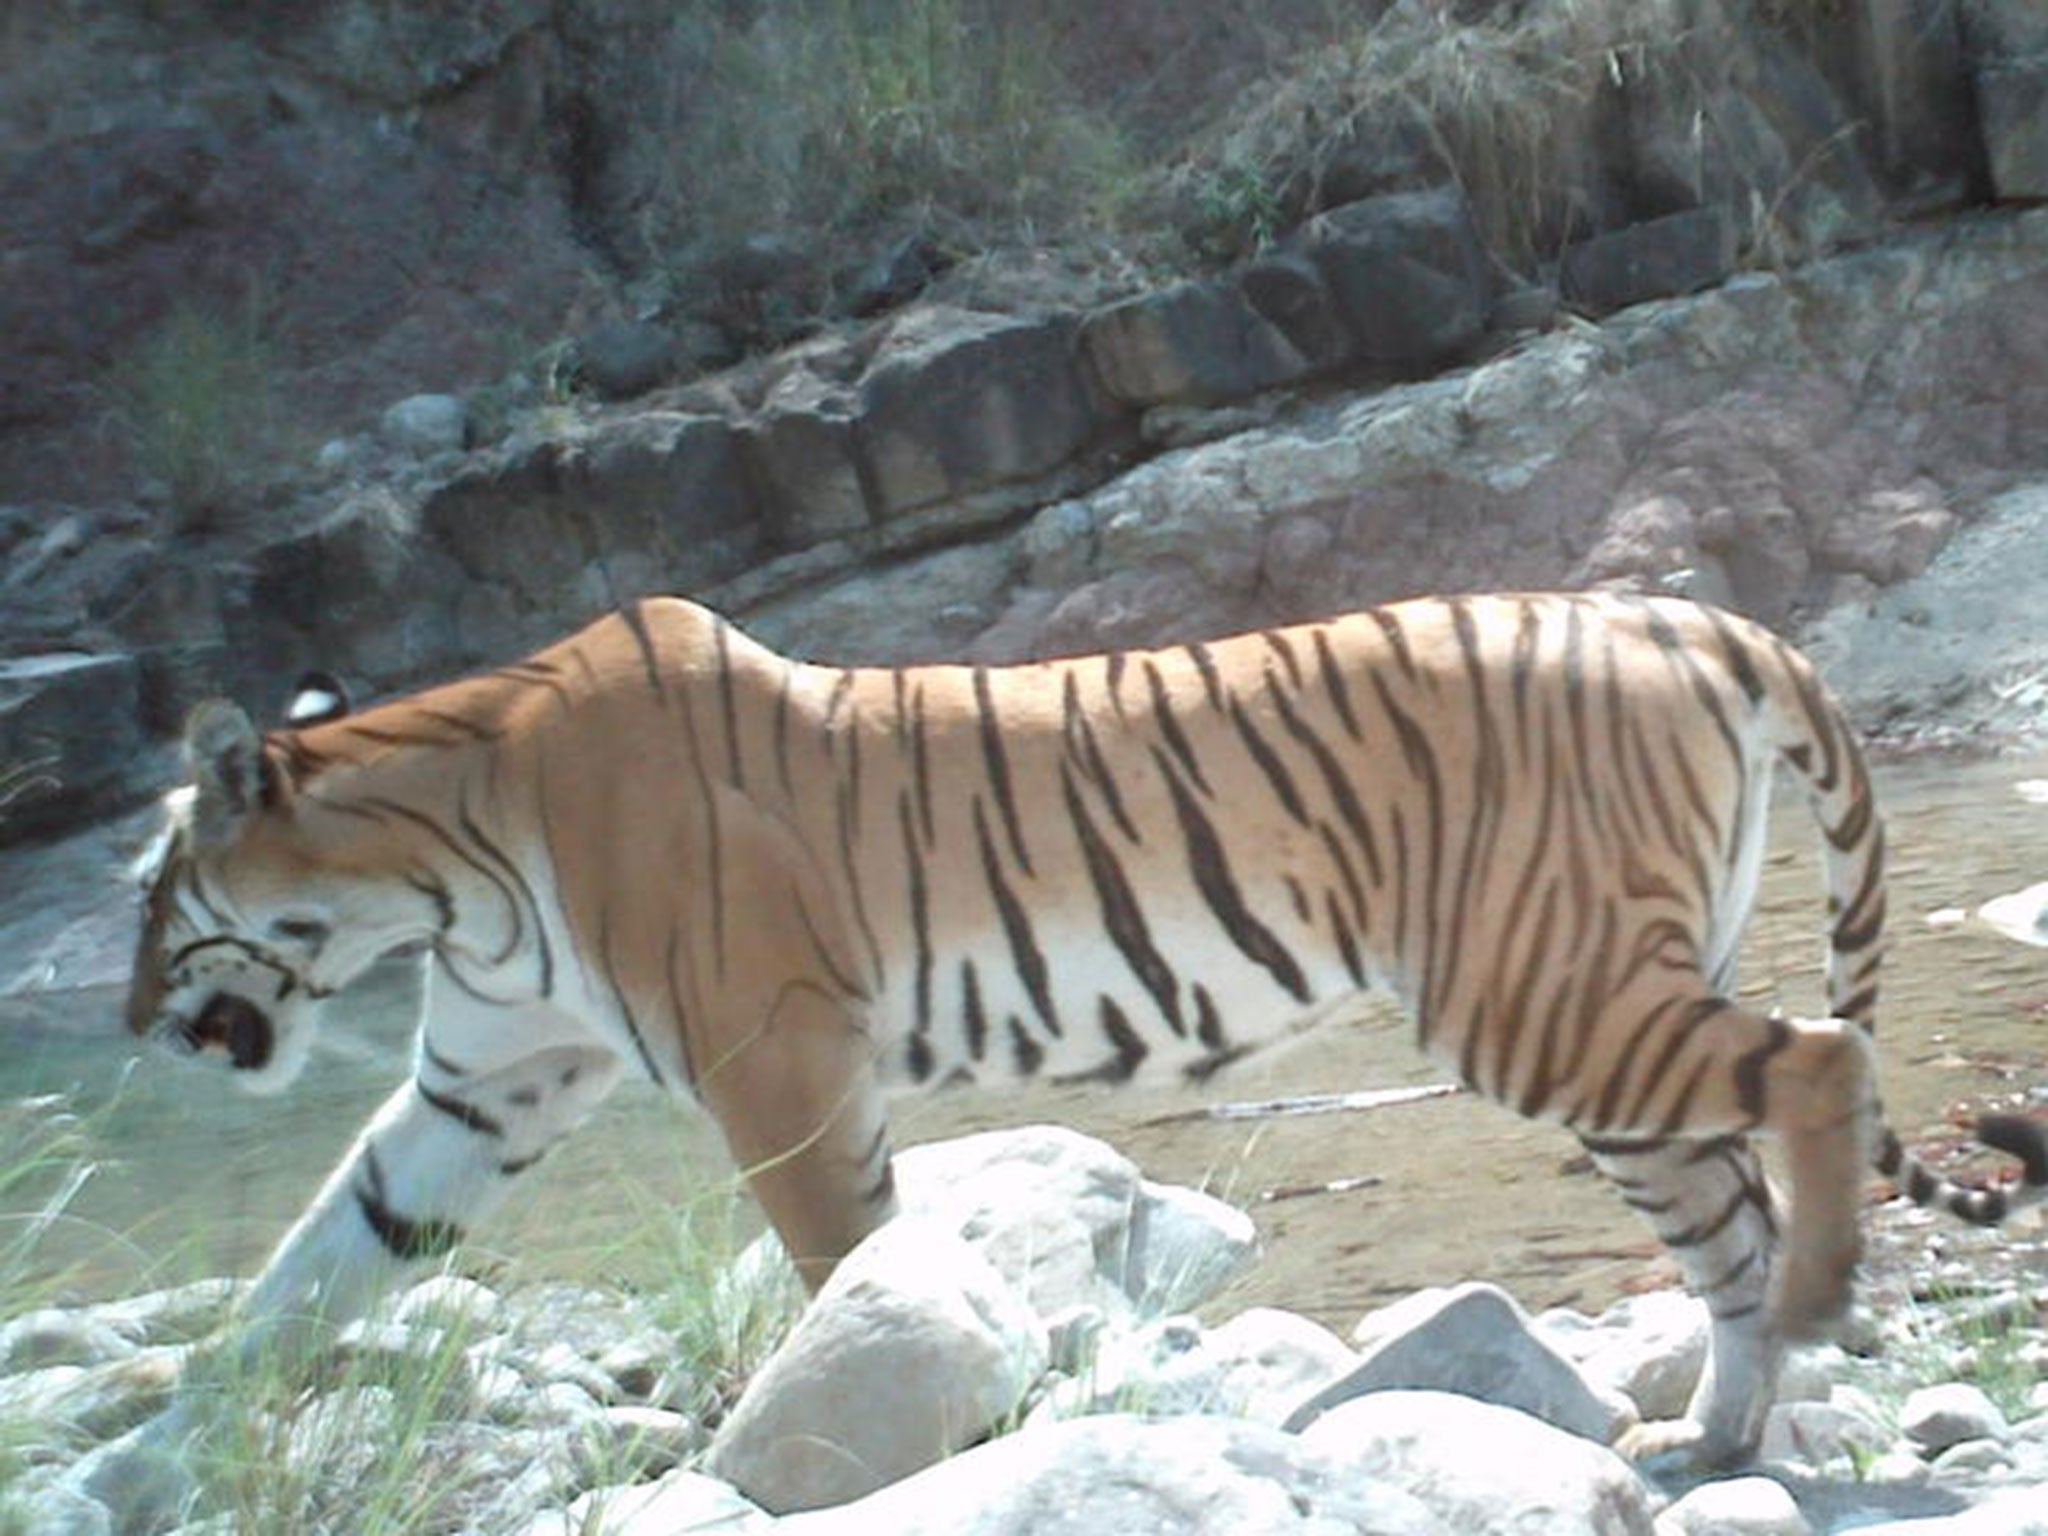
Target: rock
(1183, 1247)
(681, 1501)
(1406, 273)
(1677, 254)
(959, 402)
(1649, 1348)
(1480, 1467)
(1891, 536)
(426, 424)
(914, 1348)
(1819, 1435)
(1192, 342)
(452, 1301)
(2013, 107)
(1067, 1220)
(60, 1336)
(1134, 1477)
(624, 358)
(71, 740)
(1257, 1366)
(2014, 1512)
(1472, 1339)
(803, 459)
(1735, 1506)
(636, 1442)
(1938, 1417)
(1288, 292)
(53, 1510)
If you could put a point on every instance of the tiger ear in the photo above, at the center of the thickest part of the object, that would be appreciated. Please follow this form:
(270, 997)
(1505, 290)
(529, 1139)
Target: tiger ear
(232, 776)
(317, 697)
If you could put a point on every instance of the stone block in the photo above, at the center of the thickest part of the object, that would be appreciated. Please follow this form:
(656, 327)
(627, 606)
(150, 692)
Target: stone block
(962, 401)
(2013, 105)
(1198, 343)
(1677, 254)
(1406, 273)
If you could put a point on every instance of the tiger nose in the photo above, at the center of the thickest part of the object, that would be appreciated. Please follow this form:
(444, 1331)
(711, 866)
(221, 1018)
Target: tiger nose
(237, 1025)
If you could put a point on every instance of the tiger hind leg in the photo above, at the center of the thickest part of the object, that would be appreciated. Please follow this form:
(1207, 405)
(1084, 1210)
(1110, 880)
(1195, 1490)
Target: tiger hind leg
(1770, 1276)
(1710, 1205)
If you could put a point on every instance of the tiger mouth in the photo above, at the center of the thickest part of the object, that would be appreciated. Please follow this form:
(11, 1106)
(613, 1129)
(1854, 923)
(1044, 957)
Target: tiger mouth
(235, 1025)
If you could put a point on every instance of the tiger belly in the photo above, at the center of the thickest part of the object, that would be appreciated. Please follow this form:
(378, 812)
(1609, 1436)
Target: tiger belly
(1076, 1007)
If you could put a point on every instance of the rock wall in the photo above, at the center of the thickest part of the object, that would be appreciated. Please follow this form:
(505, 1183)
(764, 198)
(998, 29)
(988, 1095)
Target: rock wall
(1373, 404)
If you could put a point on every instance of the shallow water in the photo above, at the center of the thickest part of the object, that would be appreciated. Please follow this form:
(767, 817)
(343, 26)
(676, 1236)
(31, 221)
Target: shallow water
(195, 1177)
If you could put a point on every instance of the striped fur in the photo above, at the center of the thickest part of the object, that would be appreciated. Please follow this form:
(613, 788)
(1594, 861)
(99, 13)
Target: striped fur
(658, 848)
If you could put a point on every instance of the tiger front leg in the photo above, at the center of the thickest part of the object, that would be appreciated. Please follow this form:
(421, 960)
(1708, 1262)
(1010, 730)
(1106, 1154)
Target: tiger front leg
(436, 1157)
(805, 1120)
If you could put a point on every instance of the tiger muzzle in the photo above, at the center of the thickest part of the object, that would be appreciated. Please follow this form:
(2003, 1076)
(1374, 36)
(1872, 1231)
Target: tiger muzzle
(237, 1026)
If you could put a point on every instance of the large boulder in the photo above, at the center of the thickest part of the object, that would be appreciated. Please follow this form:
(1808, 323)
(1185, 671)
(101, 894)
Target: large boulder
(1406, 272)
(959, 402)
(1472, 1339)
(72, 742)
(915, 1348)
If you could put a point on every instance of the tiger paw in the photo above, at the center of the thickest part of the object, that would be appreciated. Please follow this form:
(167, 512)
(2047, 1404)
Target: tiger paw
(1678, 1447)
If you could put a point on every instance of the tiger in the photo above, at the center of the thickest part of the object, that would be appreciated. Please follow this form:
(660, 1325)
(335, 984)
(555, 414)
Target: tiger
(660, 850)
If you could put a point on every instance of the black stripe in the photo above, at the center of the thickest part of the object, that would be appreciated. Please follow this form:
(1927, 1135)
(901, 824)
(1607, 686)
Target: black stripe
(1024, 951)
(998, 761)
(782, 729)
(1122, 914)
(1029, 1054)
(1129, 1047)
(1211, 870)
(405, 1239)
(636, 622)
(618, 991)
(721, 633)
(920, 929)
(1334, 685)
(973, 1017)
(675, 1004)
(1212, 681)
(1283, 647)
(517, 876)
(1169, 728)
(920, 762)
(1082, 744)
(1268, 760)
(467, 1115)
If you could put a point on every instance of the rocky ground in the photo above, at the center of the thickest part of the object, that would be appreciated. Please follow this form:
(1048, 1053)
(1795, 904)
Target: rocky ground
(1016, 1354)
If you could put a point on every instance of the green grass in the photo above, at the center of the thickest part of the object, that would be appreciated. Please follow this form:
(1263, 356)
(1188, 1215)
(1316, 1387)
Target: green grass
(375, 1441)
(199, 402)
(939, 117)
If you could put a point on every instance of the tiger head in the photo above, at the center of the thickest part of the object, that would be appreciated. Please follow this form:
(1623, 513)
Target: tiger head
(252, 911)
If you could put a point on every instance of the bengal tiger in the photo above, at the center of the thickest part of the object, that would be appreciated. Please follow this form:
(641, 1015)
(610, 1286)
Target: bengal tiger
(659, 849)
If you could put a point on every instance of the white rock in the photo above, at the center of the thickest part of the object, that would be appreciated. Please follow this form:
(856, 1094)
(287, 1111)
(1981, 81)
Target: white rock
(451, 1301)
(1259, 1366)
(640, 1442)
(914, 1348)
(1650, 1348)
(2017, 1512)
(53, 1510)
(426, 424)
(1479, 1467)
(1736, 1506)
(1184, 1247)
(1819, 1434)
(1974, 1456)
(682, 1501)
(1050, 1208)
(1117, 1475)
(60, 1336)
(1941, 1416)
(1473, 1339)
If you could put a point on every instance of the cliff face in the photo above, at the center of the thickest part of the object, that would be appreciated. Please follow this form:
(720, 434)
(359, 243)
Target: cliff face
(231, 243)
